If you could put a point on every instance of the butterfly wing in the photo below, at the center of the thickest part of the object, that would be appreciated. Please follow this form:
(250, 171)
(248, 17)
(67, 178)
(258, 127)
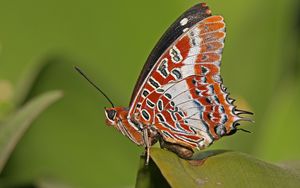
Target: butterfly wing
(186, 20)
(182, 96)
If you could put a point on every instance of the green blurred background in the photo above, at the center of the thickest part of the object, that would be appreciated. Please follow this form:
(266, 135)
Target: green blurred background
(111, 40)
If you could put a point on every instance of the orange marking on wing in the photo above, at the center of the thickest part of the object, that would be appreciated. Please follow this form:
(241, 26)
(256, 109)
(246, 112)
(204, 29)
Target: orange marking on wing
(198, 70)
(192, 137)
(216, 115)
(177, 139)
(206, 93)
(210, 47)
(223, 101)
(185, 127)
(148, 87)
(214, 36)
(203, 101)
(208, 57)
(168, 118)
(213, 19)
(182, 45)
(154, 96)
(191, 86)
(209, 27)
(211, 124)
(216, 109)
(212, 68)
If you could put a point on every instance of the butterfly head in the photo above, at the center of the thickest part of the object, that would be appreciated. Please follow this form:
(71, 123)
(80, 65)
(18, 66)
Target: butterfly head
(118, 118)
(111, 116)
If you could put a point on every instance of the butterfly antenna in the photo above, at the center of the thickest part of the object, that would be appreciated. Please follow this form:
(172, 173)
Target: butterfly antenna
(93, 84)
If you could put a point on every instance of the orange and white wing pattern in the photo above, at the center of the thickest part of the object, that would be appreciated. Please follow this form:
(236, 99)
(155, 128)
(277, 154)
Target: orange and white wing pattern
(183, 96)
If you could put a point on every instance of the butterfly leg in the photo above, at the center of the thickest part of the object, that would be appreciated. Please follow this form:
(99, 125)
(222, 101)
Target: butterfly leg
(181, 151)
(147, 144)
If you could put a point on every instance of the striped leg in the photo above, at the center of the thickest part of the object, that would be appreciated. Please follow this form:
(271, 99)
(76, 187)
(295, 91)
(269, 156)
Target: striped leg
(147, 142)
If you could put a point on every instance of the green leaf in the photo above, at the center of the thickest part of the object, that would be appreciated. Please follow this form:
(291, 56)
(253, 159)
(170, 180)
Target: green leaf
(149, 175)
(6, 93)
(29, 79)
(51, 183)
(41, 182)
(15, 126)
(219, 168)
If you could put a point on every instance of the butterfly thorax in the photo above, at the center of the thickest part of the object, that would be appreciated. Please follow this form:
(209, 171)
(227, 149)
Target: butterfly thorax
(128, 126)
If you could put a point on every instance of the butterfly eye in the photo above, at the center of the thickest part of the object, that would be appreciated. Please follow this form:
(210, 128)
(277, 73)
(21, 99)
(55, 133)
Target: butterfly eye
(111, 114)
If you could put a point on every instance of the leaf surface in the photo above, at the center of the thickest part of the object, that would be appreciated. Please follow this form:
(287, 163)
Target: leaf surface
(13, 128)
(222, 168)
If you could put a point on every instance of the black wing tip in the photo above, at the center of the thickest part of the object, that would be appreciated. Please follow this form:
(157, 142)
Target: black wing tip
(246, 119)
(202, 6)
(244, 130)
(238, 112)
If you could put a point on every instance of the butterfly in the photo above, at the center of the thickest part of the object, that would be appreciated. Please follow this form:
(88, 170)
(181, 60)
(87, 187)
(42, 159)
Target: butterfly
(179, 99)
